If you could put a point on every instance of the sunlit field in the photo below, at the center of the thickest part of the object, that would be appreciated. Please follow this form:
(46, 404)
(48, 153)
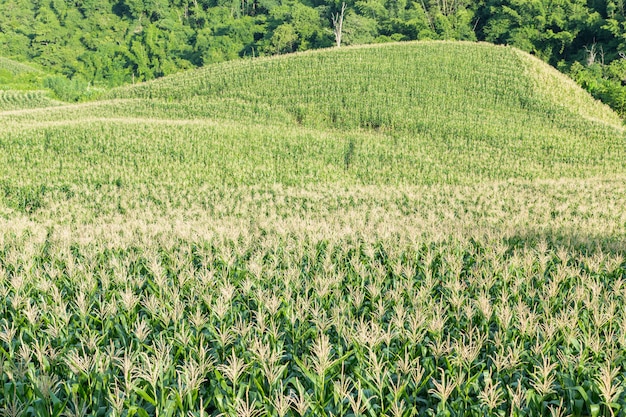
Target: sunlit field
(397, 242)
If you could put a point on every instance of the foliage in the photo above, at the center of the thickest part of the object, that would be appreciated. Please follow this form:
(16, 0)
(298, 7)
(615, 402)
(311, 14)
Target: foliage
(271, 237)
(112, 42)
(607, 83)
(290, 120)
(66, 89)
(314, 301)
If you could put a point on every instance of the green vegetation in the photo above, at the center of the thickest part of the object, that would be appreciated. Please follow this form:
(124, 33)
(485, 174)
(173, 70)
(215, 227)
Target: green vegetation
(106, 43)
(413, 112)
(606, 82)
(17, 76)
(15, 100)
(480, 300)
(396, 87)
(23, 86)
(431, 228)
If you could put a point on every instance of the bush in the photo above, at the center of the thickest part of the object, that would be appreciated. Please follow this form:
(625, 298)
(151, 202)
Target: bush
(67, 90)
(604, 82)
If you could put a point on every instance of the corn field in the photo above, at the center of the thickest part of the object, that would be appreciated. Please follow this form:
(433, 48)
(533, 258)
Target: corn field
(301, 301)
(17, 100)
(210, 245)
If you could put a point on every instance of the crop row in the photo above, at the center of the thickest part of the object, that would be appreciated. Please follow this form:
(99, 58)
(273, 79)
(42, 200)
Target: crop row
(291, 327)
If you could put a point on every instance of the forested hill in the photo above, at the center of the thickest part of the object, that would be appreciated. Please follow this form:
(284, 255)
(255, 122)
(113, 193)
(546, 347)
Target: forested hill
(112, 42)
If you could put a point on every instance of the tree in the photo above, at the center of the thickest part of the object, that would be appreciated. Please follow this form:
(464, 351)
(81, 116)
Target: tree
(283, 38)
(338, 24)
(359, 29)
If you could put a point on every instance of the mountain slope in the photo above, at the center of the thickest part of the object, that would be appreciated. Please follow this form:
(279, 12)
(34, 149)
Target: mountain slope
(21, 87)
(16, 68)
(428, 112)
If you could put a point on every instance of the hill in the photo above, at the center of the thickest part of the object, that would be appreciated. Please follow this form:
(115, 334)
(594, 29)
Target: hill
(22, 86)
(427, 112)
(394, 86)
(13, 67)
(113, 42)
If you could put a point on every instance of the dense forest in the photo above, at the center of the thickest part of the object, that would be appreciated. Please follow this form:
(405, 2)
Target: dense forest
(112, 42)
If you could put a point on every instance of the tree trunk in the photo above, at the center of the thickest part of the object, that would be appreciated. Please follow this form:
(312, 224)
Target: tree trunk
(338, 24)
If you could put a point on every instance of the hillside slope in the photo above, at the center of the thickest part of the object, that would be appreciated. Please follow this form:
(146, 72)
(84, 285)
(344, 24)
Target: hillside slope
(395, 86)
(16, 68)
(427, 112)
(17, 75)
(21, 87)
(30, 99)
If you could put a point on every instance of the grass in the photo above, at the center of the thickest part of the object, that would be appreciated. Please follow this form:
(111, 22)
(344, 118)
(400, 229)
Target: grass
(396, 230)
